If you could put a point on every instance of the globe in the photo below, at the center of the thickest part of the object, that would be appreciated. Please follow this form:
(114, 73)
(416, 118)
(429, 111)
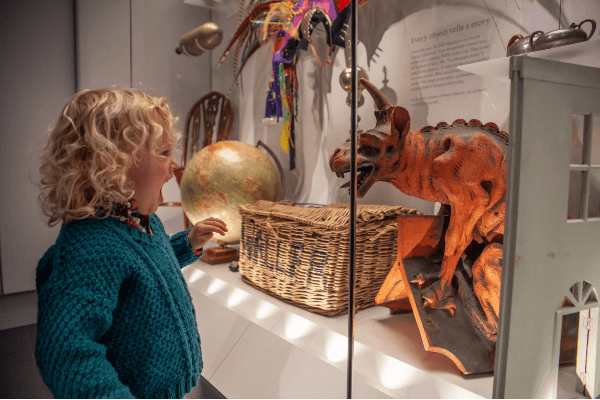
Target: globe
(223, 176)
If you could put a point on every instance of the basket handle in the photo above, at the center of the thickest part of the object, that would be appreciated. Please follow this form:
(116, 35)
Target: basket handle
(279, 168)
(387, 228)
(270, 227)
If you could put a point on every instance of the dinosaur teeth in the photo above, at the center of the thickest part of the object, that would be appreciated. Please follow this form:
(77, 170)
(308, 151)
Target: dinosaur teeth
(365, 172)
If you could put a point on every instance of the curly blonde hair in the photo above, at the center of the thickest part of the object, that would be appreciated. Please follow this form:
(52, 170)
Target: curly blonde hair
(93, 144)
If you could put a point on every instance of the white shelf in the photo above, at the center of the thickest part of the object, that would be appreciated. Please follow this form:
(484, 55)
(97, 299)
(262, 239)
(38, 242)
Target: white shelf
(585, 53)
(256, 346)
(389, 359)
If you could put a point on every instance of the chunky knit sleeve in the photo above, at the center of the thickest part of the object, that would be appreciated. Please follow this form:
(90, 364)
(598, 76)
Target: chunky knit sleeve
(182, 249)
(78, 289)
(179, 242)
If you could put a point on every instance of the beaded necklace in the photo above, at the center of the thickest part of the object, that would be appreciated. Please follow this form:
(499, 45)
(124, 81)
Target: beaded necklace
(128, 214)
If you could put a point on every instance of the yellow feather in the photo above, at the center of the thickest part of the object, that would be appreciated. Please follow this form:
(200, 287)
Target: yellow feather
(284, 139)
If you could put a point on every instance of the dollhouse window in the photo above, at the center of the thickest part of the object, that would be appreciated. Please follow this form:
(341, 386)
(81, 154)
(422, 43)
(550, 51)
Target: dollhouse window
(580, 294)
(584, 178)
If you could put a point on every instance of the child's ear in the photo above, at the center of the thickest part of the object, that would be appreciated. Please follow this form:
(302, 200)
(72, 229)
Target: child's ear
(400, 119)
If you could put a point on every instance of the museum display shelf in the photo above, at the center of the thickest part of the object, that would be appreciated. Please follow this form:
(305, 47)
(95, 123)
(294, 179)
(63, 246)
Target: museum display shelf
(584, 53)
(256, 346)
(243, 330)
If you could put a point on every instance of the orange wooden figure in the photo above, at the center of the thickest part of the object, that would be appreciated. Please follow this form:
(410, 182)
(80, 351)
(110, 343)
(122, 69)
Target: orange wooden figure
(462, 165)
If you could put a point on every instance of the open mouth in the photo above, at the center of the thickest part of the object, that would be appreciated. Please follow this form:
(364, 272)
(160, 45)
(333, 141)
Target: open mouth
(363, 173)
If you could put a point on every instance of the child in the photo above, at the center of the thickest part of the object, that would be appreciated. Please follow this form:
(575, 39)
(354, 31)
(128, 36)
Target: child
(115, 316)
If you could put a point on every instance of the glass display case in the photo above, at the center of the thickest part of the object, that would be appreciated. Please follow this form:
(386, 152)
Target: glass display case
(441, 63)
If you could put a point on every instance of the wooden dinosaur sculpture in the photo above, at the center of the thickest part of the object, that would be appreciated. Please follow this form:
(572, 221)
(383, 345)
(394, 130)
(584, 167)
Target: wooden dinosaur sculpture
(462, 165)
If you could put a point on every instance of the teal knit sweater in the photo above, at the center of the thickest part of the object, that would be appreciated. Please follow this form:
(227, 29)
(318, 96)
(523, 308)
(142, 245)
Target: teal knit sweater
(115, 317)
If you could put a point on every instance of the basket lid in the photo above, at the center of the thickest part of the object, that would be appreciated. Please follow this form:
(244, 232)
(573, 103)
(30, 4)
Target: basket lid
(333, 216)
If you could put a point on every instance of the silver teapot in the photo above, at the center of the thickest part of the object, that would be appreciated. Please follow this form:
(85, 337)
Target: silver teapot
(539, 40)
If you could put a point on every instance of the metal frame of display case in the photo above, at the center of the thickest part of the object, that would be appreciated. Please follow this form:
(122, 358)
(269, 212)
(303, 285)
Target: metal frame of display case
(353, 168)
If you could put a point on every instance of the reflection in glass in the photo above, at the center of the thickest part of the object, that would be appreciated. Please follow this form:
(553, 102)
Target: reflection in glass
(594, 194)
(575, 184)
(595, 142)
(297, 327)
(577, 139)
(237, 297)
(336, 347)
(215, 286)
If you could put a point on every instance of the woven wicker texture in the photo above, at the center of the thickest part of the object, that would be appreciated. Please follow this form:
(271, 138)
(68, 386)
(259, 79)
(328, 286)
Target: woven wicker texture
(301, 255)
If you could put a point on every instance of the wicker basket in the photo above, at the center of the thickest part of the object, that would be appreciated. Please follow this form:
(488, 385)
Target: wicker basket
(301, 255)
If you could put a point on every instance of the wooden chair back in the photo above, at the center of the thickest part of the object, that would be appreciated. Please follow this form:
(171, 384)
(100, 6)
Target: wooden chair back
(213, 112)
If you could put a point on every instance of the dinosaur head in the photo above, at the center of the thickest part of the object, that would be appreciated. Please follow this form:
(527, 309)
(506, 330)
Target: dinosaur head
(378, 149)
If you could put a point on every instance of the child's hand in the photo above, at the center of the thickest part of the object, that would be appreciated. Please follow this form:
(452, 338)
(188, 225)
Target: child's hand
(204, 230)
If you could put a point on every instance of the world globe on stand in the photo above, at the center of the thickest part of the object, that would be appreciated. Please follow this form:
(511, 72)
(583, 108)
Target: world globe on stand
(223, 176)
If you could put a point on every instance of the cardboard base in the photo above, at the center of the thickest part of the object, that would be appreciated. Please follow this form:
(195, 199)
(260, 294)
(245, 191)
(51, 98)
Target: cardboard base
(220, 255)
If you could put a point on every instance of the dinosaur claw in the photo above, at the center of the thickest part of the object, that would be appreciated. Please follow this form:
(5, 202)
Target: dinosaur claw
(451, 310)
(419, 279)
(437, 297)
(426, 303)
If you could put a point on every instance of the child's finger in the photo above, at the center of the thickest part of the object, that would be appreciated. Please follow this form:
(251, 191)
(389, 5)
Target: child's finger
(208, 227)
(212, 222)
(217, 223)
(215, 219)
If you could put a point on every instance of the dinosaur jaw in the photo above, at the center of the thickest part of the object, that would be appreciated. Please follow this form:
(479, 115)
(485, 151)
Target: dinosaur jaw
(365, 179)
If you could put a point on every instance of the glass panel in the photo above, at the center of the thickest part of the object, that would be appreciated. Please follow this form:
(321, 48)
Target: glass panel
(567, 302)
(577, 139)
(574, 207)
(568, 339)
(594, 196)
(575, 291)
(595, 140)
(593, 297)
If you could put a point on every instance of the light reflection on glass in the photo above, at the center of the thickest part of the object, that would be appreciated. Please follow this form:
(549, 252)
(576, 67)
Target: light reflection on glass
(394, 374)
(215, 286)
(195, 275)
(297, 327)
(336, 348)
(237, 297)
(265, 310)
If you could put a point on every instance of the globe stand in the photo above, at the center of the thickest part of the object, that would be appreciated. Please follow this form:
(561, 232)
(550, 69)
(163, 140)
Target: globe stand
(220, 255)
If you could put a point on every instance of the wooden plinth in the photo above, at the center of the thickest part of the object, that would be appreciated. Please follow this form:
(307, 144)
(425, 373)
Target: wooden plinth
(220, 255)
